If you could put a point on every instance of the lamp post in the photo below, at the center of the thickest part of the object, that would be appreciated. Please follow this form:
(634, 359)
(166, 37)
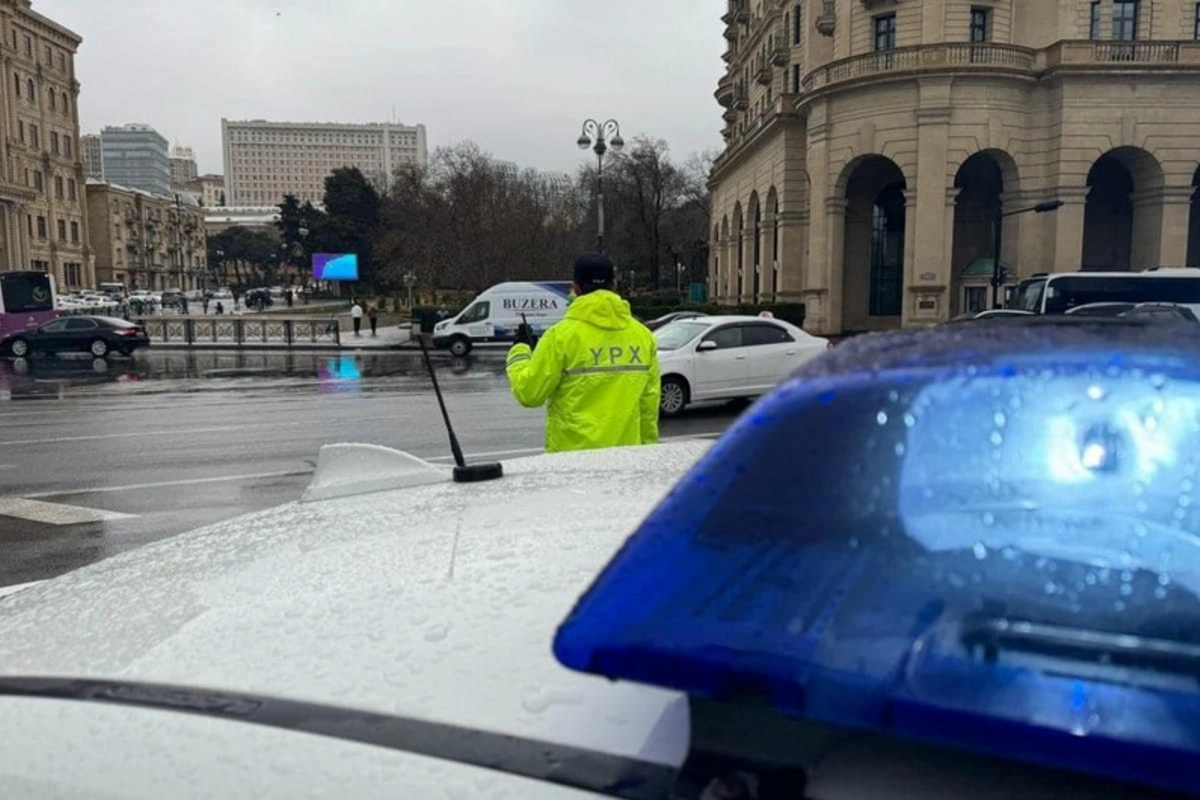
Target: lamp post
(997, 227)
(410, 278)
(599, 137)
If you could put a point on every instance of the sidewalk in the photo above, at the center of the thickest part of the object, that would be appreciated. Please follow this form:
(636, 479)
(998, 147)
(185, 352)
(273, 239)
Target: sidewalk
(390, 334)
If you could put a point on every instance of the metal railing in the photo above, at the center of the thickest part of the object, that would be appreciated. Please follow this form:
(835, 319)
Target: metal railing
(242, 331)
(959, 55)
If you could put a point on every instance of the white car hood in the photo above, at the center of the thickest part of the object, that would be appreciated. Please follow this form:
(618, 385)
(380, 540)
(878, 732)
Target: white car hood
(438, 602)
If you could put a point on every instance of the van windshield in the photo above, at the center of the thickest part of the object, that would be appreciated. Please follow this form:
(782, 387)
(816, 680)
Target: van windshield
(476, 313)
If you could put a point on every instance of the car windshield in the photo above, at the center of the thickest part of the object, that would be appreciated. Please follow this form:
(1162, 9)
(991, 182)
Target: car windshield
(675, 335)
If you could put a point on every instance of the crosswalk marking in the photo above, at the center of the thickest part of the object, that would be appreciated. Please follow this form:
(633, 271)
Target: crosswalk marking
(55, 513)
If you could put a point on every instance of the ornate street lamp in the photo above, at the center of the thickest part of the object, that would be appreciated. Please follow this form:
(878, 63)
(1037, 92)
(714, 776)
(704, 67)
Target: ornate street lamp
(599, 137)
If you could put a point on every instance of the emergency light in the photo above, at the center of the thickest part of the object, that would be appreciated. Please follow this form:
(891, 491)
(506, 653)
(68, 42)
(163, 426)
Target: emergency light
(983, 536)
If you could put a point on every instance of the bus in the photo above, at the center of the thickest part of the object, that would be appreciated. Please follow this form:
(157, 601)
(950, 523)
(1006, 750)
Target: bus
(27, 299)
(1059, 292)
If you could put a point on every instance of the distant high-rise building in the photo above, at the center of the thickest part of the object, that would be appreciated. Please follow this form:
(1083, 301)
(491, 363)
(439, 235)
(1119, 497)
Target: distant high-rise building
(264, 161)
(136, 157)
(43, 218)
(93, 156)
(183, 167)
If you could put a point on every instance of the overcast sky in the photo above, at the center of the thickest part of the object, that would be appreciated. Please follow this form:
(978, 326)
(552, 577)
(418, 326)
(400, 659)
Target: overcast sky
(516, 76)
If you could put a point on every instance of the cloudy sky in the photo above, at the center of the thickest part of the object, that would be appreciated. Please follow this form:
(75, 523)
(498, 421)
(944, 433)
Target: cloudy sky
(516, 76)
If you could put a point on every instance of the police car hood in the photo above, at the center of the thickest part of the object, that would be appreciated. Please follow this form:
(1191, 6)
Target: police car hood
(603, 309)
(437, 602)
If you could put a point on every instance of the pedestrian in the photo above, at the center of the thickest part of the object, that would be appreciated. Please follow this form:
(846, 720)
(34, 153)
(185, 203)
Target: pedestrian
(596, 370)
(204, 303)
(220, 307)
(373, 317)
(291, 298)
(356, 313)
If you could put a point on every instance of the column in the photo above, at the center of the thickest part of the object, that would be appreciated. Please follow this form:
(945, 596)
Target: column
(926, 233)
(821, 292)
(1176, 216)
(1148, 229)
(747, 293)
(793, 225)
(835, 256)
(1066, 230)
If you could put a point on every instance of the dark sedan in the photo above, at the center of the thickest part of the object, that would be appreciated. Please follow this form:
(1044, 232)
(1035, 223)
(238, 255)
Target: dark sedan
(99, 336)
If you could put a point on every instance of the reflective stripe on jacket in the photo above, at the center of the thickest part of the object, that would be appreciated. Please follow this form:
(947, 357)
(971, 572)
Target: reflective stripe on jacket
(597, 373)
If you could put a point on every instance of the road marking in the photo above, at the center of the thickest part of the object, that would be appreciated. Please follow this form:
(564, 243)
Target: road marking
(259, 476)
(135, 487)
(55, 513)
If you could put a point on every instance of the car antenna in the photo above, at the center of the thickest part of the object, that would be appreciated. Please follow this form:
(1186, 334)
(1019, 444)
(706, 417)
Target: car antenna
(463, 472)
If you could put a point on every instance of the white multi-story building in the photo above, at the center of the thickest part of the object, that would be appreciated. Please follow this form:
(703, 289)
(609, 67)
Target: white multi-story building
(93, 156)
(264, 161)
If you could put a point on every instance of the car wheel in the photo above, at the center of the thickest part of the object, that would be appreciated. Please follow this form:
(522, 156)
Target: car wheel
(460, 346)
(19, 348)
(98, 348)
(674, 396)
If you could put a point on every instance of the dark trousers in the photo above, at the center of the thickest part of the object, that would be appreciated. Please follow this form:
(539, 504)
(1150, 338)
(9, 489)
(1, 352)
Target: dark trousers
(357, 325)
(374, 323)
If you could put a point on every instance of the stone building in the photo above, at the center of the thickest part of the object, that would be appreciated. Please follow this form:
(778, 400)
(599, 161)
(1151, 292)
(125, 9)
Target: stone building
(872, 146)
(43, 225)
(146, 241)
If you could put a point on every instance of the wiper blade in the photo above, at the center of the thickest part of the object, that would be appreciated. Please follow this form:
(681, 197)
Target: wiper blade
(599, 773)
(994, 634)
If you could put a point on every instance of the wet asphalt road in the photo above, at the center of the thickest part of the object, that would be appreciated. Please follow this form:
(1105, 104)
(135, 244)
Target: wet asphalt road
(99, 457)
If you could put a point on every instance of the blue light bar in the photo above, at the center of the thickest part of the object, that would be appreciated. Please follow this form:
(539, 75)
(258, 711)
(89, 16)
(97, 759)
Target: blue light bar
(979, 536)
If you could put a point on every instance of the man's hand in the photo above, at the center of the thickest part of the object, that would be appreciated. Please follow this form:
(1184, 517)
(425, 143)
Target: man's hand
(525, 335)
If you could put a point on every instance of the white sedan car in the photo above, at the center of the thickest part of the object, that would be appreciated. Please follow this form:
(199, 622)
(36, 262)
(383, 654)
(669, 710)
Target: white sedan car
(728, 358)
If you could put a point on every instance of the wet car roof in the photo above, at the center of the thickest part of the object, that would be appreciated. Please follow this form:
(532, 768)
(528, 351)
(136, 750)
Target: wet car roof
(437, 602)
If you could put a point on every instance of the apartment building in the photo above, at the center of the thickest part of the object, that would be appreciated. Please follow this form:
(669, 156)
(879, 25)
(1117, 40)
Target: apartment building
(146, 241)
(265, 161)
(872, 147)
(42, 221)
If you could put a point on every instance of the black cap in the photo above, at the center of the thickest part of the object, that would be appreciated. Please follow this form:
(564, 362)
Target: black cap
(593, 271)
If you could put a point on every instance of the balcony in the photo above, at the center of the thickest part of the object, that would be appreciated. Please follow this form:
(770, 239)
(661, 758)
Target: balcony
(741, 99)
(827, 20)
(727, 56)
(731, 34)
(730, 115)
(1121, 55)
(764, 75)
(781, 55)
(955, 56)
(724, 93)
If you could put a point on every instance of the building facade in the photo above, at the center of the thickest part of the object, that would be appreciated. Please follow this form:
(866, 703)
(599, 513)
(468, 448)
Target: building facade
(93, 156)
(183, 168)
(42, 221)
(874, 146)
(210, 189)
(265, 161)
(136, 156)
(146, 241)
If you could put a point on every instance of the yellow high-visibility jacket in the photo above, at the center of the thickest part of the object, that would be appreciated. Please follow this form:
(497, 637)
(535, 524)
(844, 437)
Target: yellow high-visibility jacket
(596, 371)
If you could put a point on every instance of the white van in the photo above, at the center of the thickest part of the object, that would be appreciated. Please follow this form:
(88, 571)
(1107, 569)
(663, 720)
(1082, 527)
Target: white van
(494, 315)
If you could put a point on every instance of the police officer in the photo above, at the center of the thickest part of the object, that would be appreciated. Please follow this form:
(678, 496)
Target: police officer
(596, 370)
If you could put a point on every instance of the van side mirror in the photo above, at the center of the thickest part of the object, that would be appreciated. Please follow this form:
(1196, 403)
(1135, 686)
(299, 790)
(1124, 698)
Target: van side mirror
(707, 344)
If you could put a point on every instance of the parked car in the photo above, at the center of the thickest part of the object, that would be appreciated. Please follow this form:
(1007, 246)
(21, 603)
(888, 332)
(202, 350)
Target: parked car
(674, 316)
(728, 358)
(99, 336)
(1161, 312)
(1101, 309)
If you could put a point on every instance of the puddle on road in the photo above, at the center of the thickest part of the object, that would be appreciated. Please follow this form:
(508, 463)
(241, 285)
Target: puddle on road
(183, 371)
